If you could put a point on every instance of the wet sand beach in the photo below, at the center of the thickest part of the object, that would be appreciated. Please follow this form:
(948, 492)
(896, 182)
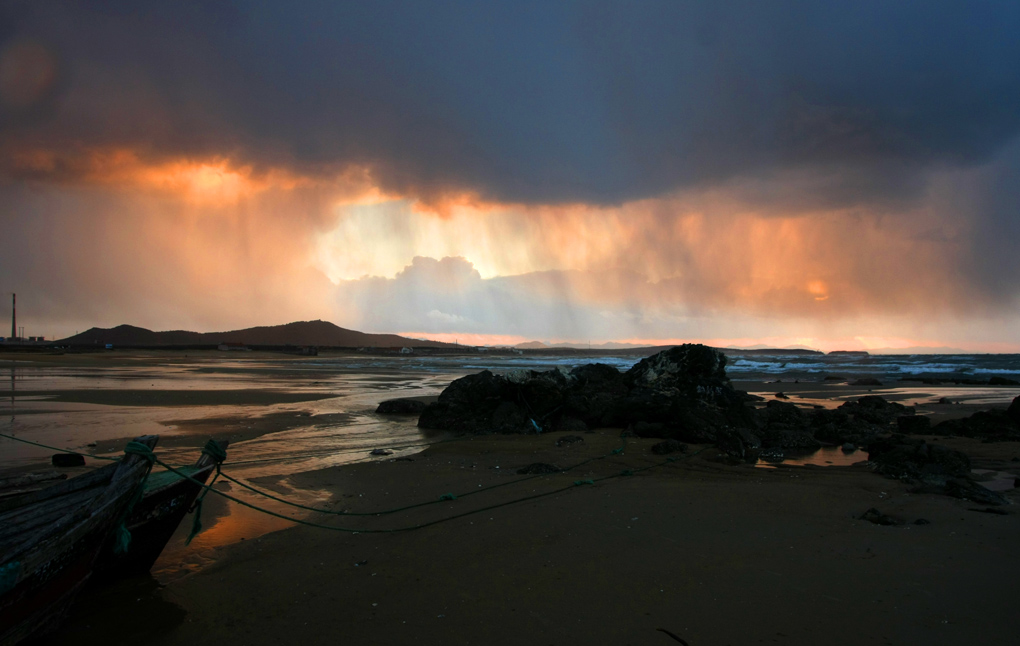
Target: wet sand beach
(715, 554)
(711, 552)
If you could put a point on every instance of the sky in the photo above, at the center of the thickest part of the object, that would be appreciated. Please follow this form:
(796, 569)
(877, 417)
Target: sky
(828, 174)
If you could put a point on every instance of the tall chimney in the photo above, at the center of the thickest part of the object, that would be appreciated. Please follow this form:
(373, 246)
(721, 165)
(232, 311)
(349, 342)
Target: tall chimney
(14, 316)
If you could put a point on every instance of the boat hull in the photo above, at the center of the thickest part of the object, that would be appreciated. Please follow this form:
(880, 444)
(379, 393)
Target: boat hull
(54, 537)
(152, 524)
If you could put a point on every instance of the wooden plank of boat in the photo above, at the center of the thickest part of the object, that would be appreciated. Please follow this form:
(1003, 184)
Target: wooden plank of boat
(166, 500)
(13, 485)
(45, 564)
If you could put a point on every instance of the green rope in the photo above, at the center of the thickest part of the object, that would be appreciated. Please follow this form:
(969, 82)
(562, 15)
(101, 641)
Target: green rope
(348, 530)
(215, 451)
(334, 512)
(55, 448)
(207, 488)
(448, 496)
(122, 535)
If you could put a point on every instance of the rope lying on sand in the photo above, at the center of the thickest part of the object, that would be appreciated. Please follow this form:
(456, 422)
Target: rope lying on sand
(442, 498)
(445, 497)
(625, 472)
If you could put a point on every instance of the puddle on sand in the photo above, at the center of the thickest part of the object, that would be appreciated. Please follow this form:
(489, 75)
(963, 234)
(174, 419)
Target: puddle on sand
(831, 456)
(225, 522)
(995, 480)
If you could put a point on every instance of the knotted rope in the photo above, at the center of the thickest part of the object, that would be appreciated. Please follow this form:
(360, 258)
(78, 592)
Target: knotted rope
(215, 451)
(122, 535)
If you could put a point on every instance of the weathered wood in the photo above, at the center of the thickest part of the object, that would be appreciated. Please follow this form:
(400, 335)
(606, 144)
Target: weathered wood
(84, 481)
(30, 479)
(43, 568)
(154, 520)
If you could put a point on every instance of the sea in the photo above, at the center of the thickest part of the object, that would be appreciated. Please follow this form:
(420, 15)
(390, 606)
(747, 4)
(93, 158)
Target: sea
(343, 426)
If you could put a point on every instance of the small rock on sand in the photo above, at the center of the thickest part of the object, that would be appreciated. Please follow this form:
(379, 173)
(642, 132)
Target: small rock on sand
(538, 468)
(669, 446)
(875, 516)
(67, 460)
(401, 407)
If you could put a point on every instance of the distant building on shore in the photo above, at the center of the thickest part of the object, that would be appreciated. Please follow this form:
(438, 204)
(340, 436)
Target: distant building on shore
(233, 346)
(21, 340)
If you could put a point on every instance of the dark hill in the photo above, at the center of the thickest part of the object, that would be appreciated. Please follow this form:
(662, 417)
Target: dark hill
(316, 333)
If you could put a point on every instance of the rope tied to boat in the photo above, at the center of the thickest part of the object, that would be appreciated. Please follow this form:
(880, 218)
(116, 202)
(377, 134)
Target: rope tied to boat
(300, 521)
(213, 449)
(122, 535)
(137, 448)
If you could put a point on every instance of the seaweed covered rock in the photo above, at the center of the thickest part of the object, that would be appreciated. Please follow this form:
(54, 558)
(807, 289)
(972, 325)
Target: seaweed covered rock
(913, 424)
(401, 407)
(669, 446)
(786, 426)
(697, 372)
(684, 388)
(900, 457)
(470, 404)
(571, 425)
(1014, 410)
(934, 468)
(739, 443)
(990, 425)
(784, 415)
(593, 389)
(838, 427)
(522, 401)
(681, 393)
(875, 410)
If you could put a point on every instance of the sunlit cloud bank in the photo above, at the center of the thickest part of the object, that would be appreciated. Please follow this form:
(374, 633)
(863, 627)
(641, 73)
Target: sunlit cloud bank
(843, 175)
(722, 264)
(207, 244)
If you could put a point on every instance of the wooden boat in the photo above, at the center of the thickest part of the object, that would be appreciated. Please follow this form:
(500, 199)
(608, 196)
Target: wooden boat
(167, 497)
(50, 538)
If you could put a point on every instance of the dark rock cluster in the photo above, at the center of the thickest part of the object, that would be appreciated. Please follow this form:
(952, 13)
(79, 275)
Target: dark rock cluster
(683, 395)
(401, 407)
(989, 425)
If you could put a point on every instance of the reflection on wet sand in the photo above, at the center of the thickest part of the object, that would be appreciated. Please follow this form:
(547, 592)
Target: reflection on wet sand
(823, 457)
(225, 523)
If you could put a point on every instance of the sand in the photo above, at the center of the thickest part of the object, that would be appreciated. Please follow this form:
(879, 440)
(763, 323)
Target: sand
(715, 554)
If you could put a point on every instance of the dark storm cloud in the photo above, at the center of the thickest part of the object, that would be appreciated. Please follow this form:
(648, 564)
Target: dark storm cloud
(533, 102)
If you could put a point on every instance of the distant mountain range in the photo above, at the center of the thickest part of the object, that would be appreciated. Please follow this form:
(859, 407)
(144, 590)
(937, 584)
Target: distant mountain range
(920, 349)
(326, 334)
(301, 333)
(610, 345)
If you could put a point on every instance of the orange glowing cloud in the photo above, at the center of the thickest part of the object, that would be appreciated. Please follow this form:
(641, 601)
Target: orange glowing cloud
(246, 244)
(214, 181)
